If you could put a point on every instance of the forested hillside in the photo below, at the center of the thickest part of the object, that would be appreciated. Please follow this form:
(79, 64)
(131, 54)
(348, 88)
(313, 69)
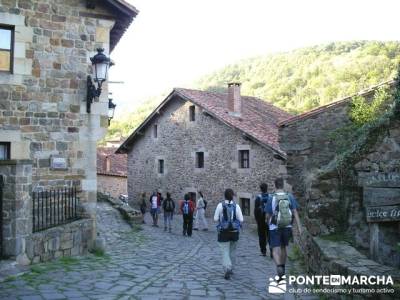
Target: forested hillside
(298, 80)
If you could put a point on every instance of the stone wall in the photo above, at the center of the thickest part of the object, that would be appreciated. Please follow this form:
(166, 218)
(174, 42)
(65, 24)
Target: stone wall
(66, 240)
(177, 142)
(330, 205)
(331, 258)
(43, 108)
(112, 185)
(17, 206)
(309, 147)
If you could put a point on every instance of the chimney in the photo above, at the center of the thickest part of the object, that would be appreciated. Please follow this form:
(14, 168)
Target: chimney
(234, 99)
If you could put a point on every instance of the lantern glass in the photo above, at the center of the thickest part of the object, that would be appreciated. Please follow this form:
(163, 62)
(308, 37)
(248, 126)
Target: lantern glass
(100, 71)
(111, 112)
(111, 109)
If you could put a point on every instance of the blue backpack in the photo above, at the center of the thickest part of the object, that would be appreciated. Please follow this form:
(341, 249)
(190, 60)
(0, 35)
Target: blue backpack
(185, 207)
(229, 221)
(264, 200)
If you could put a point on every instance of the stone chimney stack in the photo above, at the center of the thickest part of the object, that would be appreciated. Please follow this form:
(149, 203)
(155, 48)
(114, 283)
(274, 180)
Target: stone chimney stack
(234, 99)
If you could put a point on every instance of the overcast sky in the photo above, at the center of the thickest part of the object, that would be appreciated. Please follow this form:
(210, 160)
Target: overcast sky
(173, 42)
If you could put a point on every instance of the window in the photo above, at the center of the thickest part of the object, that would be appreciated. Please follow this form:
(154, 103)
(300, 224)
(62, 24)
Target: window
(160, 166)
(192, 113)
(155, 131)
(245, 205)
(108, 164)
(244, 159)
(6, 48)
(4, 150)
(200, 160)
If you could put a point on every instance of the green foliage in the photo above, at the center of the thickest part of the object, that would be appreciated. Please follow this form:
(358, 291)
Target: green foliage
(306, 78)
(362, 137)
(296, 81)
(362, 112)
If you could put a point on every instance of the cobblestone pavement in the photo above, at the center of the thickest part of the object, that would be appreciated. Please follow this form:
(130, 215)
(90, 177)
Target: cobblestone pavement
(149, 264)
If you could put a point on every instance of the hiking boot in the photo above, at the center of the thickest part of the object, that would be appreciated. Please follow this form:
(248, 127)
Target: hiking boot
(169, 230)
(205, 229)
(227, 275)
(280, 271)
(195, 229)
(165, 228)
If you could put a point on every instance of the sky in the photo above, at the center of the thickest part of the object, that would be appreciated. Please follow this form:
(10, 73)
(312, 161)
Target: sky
(172, 43)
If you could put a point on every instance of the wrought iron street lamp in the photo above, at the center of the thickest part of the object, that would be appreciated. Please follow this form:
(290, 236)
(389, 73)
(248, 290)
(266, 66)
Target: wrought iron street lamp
(111, 109)
(100, 63)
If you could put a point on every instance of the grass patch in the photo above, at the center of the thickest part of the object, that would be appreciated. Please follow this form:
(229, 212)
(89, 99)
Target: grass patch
(338, 237)
(10, 278)
(298, 266)
(136, 227)
(68, 261)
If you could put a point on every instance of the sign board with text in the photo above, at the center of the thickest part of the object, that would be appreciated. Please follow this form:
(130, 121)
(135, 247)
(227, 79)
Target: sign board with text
(58, 163)
(381, 197)
(383, 213)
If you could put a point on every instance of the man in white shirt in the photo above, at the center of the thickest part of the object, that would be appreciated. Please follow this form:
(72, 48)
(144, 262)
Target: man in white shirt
(229, 215)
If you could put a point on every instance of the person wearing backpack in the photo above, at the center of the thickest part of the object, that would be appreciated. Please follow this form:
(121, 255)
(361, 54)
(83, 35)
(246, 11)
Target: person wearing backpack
(280, 212)
(187, 209)
(229, 217)
(200, 216)
(259, 214)
(169, 208)
(143, 205)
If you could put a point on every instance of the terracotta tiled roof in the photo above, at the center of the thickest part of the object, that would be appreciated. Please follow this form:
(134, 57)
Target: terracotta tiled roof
(334, 104)
(259, 119)
(118, 162)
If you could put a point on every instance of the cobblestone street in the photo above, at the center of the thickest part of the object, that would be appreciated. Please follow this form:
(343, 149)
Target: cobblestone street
(148, 264)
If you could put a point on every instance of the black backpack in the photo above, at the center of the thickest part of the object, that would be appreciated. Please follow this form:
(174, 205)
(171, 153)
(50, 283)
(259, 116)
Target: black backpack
(169, 205)
(205, 204)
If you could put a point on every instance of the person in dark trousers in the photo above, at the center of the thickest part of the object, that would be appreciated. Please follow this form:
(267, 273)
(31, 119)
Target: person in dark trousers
(169, 207)
(187, 209)
(143, 205)
(259, 214)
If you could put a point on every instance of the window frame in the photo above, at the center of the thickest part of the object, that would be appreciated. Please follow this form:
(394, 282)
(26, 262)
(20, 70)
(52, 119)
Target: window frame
(192, 113)
(199, 154)
(245, 206)
(8, 150)
(161, 166)
(244, 163)
(11, 50)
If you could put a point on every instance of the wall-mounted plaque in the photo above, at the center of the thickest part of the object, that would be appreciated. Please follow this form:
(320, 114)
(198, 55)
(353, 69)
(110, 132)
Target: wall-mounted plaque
(383, 213)
(381, 196)
(58, 163)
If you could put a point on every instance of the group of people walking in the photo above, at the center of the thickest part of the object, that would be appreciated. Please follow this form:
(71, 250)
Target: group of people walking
(274, 213)
(189, 209)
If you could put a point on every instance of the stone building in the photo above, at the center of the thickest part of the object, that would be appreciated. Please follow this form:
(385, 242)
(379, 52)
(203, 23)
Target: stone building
(47, 138)
(111, 172)
(205, 141)
(361, 208)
